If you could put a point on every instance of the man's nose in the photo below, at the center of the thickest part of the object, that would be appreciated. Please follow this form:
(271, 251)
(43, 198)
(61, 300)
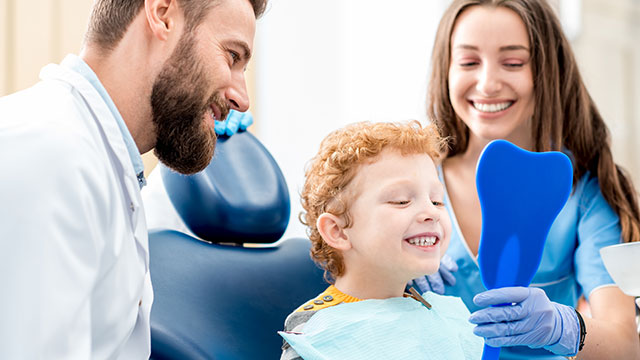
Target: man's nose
(237, 95)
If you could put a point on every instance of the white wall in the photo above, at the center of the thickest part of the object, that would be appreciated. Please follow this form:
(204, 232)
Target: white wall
(323, 64)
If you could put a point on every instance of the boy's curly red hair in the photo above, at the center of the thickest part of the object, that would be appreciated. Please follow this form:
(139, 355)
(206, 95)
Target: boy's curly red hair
(329, 173)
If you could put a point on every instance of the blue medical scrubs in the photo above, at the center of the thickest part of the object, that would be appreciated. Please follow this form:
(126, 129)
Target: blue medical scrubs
(571, 264)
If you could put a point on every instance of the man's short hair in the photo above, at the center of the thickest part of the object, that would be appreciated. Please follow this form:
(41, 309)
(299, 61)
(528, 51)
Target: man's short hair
(110, 18)
(330, 172)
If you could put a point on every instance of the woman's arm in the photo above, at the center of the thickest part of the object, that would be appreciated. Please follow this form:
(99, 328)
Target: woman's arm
(533, 320)
(611, 332)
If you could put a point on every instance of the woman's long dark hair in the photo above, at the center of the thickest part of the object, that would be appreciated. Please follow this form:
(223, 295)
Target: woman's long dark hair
(565, 116)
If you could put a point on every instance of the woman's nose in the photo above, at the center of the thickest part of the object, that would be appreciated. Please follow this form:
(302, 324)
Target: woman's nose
(488, 83)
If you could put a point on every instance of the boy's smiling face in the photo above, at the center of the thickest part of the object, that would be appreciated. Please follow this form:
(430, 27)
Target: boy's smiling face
(400, 226)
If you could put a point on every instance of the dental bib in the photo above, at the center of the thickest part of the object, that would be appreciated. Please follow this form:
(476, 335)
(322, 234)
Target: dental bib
(395, 328)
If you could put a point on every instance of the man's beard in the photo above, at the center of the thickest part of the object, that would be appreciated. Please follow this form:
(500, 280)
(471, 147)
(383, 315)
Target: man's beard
(185, 142)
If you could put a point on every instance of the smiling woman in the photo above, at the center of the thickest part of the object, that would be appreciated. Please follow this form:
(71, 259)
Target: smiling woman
(503, 69)
(490, 76)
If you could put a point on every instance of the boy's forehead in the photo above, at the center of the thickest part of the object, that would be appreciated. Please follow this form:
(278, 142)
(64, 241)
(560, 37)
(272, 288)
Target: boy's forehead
(390, 166)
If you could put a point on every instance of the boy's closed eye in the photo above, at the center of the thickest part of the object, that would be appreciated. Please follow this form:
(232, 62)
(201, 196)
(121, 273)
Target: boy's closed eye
(406, 202)
(399, 202)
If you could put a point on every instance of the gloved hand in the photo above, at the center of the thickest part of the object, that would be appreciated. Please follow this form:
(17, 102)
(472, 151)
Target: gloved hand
(435, 282)
(530, 319)
(235, 121)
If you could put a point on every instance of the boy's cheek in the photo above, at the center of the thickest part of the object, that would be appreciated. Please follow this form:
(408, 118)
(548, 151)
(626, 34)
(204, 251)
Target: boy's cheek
(444, 245)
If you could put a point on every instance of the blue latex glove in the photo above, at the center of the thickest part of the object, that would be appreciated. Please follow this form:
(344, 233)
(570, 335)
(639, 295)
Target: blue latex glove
(235, 121)
(530, 319)
(435, 282)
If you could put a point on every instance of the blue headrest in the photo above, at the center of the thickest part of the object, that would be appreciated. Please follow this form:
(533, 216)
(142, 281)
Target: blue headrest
(241, 197)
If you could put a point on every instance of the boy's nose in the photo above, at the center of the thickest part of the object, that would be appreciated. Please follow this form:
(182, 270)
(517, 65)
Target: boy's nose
(430, 213)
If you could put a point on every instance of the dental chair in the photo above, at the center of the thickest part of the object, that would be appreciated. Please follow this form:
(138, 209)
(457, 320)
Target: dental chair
(215, 298)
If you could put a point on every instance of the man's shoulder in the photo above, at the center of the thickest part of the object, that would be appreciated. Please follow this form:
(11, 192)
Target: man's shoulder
(47, 117)
(46, 104)
(39, 96)
(41, 153)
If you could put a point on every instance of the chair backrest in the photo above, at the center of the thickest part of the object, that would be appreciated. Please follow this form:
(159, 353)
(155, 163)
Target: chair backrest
(215, 301)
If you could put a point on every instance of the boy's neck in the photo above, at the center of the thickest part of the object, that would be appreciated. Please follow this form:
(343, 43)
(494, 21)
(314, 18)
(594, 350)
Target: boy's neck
(369, 288)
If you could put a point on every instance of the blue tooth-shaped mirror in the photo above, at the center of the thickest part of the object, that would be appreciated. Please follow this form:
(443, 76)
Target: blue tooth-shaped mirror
(521, 193)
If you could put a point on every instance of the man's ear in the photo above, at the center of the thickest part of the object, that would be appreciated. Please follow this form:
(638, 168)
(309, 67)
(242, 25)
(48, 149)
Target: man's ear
(331, 228)
(162, 16)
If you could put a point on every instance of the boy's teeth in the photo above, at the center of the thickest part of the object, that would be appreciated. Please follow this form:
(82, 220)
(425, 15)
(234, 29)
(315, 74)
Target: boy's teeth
(490, 108)
(423, 240)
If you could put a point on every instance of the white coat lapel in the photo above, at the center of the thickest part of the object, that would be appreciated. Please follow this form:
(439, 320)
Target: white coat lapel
(114, 141)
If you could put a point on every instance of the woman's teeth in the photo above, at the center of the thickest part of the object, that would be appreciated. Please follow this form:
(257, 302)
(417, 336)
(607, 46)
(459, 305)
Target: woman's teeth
(491, 108)
(423, 240)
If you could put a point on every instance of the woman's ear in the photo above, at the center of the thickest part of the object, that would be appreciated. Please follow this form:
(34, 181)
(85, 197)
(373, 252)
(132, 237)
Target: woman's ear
(331, 228)
(161, 16)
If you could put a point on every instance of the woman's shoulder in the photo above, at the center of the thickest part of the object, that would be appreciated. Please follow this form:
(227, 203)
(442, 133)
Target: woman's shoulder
(587, 189)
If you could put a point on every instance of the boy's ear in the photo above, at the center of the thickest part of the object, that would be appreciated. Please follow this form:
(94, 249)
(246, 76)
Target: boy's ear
(331, 228)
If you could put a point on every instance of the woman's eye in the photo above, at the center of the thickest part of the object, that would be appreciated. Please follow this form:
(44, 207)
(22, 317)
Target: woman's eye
(514, 65)
(438, 203)
(468, 63)
(399, 202)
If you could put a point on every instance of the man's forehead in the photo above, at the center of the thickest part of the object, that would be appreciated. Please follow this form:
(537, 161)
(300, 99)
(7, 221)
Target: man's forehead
(233, 21)
(238, 10)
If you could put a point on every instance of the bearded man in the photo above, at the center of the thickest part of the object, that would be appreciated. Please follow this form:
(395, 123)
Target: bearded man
(152, 74)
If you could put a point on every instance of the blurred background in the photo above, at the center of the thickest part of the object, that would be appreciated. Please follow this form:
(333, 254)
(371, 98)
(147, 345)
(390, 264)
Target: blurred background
(319, 65)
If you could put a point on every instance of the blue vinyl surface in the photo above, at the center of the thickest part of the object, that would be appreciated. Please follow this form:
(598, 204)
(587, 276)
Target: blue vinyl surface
(225, 302)
(241, 195)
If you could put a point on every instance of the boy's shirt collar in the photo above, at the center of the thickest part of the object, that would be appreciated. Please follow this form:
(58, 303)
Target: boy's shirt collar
(331, 296)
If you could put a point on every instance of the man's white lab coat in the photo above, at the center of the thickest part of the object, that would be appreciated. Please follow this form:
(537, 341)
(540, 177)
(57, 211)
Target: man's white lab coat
(74, 280)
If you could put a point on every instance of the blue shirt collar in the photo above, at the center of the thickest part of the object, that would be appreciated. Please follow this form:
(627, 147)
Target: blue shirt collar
(78, 65)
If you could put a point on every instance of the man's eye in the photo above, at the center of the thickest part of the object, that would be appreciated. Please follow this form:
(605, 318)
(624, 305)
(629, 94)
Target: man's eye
(235, 57)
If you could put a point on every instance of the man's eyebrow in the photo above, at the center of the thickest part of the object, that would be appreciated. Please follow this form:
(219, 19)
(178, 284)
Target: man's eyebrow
(245, 48)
